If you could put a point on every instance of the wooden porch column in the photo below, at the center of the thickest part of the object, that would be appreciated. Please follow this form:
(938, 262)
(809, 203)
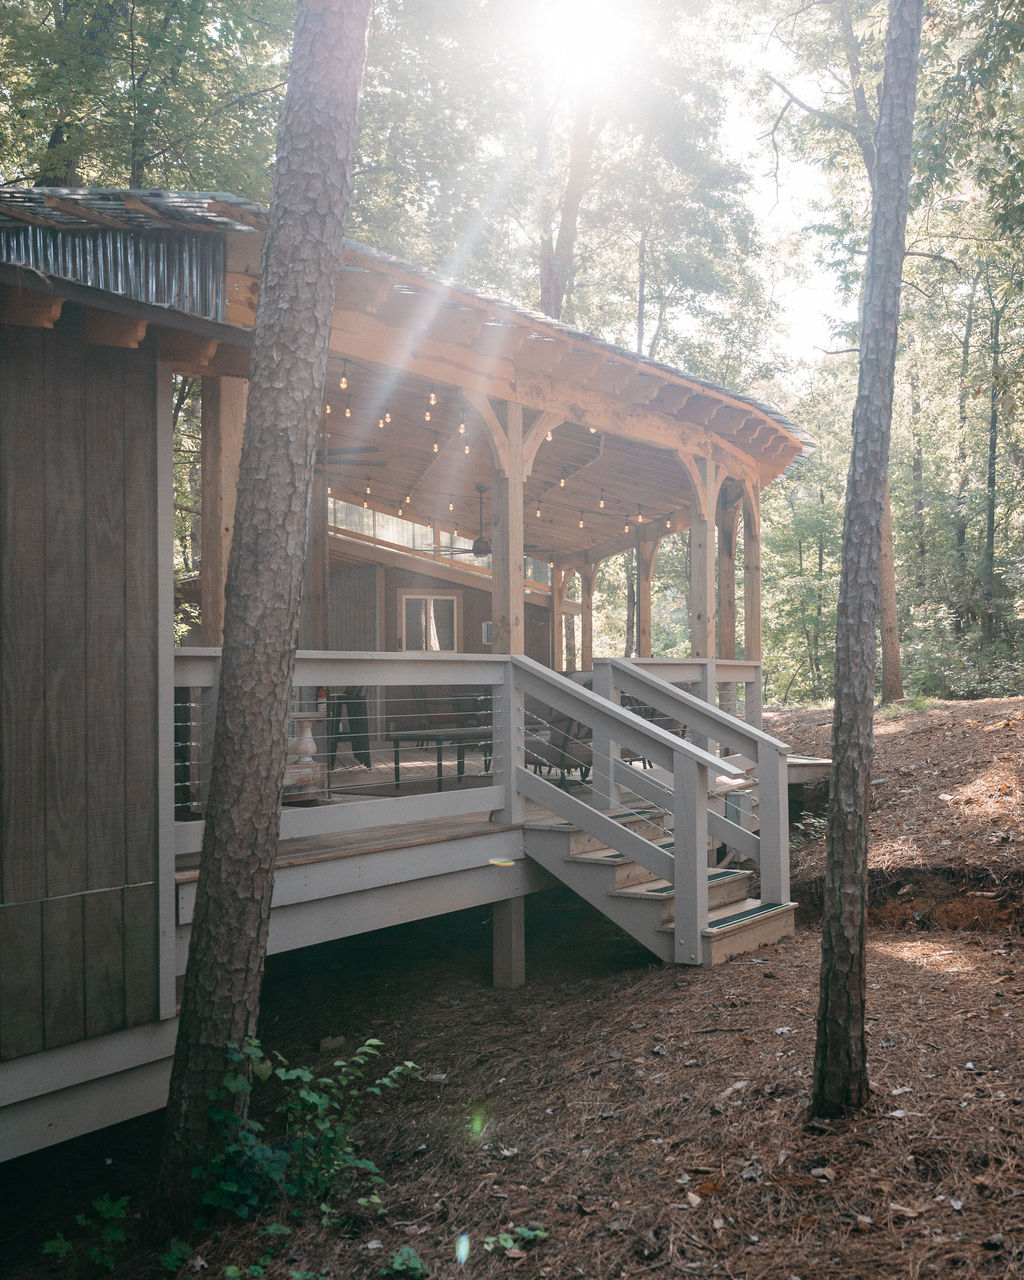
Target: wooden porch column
(646, 554)
(559, 579)
(223, 417)
(702, 568)
(588, 574)
(313, 623)
(727, 584)
(752, 577)
(507, 585)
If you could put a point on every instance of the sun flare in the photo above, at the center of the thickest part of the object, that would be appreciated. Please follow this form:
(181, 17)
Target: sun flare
(583, 42)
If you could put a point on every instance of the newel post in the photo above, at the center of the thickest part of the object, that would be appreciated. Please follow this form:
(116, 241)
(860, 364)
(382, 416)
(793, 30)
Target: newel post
(603, 789)
(690, 811)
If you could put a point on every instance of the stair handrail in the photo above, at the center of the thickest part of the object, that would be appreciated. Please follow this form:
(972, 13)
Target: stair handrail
(768, 754)
(688, 765)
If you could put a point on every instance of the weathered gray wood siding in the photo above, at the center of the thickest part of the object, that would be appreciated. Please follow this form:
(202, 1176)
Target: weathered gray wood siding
(78, 702)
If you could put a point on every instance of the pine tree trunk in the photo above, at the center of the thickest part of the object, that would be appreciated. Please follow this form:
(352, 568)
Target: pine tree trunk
(840, 1061)
(301, 259)
(892, 662)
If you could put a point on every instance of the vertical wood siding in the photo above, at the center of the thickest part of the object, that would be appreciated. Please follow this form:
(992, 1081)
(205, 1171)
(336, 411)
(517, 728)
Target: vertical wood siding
(78, 710)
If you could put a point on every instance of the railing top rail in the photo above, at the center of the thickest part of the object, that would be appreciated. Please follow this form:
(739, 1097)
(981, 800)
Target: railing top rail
(573, 696)
(329, 667)
(633, 677)
(727, 670)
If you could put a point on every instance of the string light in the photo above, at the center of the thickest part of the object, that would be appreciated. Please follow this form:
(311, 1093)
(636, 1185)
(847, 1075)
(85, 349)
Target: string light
(466, 450)
(639, 516)
(436, 445)
(368, 489)
(668, 524)
(431, 401)
(538, 510)
(327, 408)
(451, 505)
(593, 431)
(348, 409)
(625, 527)
(462, 425)
(343, 380)
(601, 503)
(408, 499)
(380, 423)
(581, 519)
(549, 437)
(432, 398)
(400, 510)
(561, 481)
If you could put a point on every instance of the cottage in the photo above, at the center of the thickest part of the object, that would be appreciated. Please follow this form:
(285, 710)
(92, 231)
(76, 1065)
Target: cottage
(475, 460)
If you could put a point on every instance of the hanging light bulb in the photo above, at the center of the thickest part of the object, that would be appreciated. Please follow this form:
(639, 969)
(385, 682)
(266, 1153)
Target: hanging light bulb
(329, 494)
(426, 416)
(561, 481)
(639, 516)
(432, 398)
(668, 524)
(593, 431)
(538, 510)
(380, 423)
(387, 416)
(327, 408)
(625, 527)
(462, 423)
(581, 519)
(451, 505)
(466, 450)
(348, 410)
(400, 510)
(549, 437)
(368, 489)
(436, 446)
(343, 380)
(601, 503)
(408, 499)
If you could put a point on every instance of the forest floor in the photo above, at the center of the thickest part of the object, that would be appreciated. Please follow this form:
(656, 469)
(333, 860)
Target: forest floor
(652, 1120)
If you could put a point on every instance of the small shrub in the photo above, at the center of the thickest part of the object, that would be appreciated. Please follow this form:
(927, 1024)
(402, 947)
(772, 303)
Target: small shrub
(314, 1162)
(104, 1235)
(406, 1262)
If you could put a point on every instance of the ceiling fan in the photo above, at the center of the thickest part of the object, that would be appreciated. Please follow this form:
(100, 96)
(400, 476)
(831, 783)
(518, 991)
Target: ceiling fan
(481, 546)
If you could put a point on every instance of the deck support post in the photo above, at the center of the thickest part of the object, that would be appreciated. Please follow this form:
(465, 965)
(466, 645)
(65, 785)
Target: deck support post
(509, 943)
(223, 417)
(559, 580)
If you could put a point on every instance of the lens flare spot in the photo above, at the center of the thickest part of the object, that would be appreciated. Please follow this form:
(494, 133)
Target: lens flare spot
(461, 1249)
(502, 862)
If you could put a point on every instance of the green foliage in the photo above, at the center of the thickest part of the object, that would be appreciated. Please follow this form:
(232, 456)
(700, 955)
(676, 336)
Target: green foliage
(178, 1253)
(406, 1262)
(103, 1236)
(514, 1240)
(313, 1163)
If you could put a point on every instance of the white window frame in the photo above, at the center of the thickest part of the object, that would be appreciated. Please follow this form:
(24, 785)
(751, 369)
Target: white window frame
(411, 594)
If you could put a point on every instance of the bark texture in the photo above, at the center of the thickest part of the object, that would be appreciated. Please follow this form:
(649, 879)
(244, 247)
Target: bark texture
(840, 1062)
(301, 259)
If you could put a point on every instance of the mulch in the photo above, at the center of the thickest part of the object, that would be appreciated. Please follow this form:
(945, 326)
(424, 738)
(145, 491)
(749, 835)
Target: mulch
(653, 1120)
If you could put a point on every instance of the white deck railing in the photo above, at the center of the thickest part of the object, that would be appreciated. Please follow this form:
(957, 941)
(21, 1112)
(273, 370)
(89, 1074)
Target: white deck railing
(538, 734)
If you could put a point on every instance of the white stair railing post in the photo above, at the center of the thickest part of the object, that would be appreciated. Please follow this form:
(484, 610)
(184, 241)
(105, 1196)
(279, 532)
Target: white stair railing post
(509, 725)
(604, 790)
(690, 816)
(753, 700)
(773, 817)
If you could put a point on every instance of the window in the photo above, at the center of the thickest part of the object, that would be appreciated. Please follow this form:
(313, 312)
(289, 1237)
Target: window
(429, 624)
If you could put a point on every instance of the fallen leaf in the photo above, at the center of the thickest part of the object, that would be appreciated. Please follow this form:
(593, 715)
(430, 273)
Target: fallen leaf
(904, 1211)
(824, 1172)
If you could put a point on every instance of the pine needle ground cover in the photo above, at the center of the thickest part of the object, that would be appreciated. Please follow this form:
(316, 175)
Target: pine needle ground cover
(621, 1118)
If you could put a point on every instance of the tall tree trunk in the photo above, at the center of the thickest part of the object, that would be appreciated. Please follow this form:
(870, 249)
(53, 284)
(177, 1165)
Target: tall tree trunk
(988, 562)
(301, 260)
(964, 613)
(917, 477)
(840, 1059)
(892, 662)
(558, 249)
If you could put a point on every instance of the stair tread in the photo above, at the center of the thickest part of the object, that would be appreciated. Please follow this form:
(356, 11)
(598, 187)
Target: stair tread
(648, 889)
(737, 913)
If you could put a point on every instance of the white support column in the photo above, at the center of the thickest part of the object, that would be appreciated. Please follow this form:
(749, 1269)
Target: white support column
(509, 943)
(588, 573)
(690, 811)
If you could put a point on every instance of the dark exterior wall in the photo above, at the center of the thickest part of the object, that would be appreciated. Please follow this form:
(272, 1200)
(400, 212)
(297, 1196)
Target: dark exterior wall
(78, 691)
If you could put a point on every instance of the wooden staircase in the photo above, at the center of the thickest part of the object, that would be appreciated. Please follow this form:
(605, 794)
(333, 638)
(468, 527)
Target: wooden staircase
(642, 903)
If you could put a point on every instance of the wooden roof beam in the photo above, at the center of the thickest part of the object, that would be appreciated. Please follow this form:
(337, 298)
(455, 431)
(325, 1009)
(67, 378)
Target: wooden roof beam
(78, 209)
(28, 309)
(108, 329)
(188, 352)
